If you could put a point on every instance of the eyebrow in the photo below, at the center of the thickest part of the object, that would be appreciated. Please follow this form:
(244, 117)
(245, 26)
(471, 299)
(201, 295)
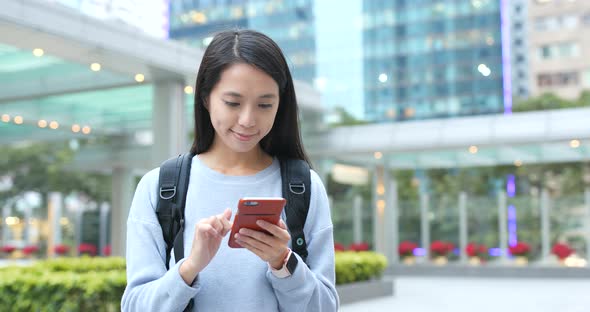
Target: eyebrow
(264, 96)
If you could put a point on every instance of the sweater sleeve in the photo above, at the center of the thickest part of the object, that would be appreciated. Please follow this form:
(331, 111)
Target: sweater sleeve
(149, 286)
(312, 287)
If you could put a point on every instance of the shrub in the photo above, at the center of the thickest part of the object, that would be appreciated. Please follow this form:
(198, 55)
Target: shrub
(61, 249)
(562, 250)
(440, 248)
(358, 266)
(30, 250)
(7, 249)
(87, 249)
(339, 247)
(476, 250)
(65, 284)
(520, 249)
(363, 246)
(406, 248)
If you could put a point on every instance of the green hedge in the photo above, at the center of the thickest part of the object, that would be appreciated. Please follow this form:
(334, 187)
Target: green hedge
(97, 284)
(68, 284)
(358, 266)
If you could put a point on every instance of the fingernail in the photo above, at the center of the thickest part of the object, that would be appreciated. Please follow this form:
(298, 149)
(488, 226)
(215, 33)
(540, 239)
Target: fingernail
(259, 222)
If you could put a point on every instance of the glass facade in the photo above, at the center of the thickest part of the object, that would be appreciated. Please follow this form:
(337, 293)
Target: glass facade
(427, 59)
(415, 60)
(289, 23)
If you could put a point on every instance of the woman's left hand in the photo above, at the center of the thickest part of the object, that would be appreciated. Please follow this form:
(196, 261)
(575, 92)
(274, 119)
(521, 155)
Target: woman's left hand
(270, 247)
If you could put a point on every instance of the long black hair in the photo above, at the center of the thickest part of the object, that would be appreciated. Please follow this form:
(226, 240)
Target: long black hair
(255, 49)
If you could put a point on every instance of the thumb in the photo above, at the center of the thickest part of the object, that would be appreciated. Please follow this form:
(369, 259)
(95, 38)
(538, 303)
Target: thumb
(282, 224)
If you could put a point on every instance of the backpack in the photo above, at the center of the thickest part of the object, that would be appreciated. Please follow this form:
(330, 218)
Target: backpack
(173, 184)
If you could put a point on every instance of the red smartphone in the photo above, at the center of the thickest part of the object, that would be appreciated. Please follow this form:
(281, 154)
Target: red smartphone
(252, 209)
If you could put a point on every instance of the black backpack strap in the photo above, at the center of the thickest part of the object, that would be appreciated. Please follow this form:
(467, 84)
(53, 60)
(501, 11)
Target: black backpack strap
(297, 191)
(173, 184)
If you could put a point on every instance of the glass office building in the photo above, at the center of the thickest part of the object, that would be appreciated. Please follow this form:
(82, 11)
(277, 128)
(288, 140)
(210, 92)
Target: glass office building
(289, 23)
(420, 59)
(428, 59)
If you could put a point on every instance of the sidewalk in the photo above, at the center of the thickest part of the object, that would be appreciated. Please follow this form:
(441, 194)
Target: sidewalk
(446, 294)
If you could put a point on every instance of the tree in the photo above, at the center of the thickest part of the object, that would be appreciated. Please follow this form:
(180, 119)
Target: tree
(42, 168)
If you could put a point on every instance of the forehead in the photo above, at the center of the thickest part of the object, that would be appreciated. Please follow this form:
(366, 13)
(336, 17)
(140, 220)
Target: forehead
(246, 80)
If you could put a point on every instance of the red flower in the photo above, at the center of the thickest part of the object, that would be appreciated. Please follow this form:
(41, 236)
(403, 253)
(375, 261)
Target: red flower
(520, 249)
(31, 249)
(562, 250)
(61, 249)
(440, 248)
(475, 250)
(406, 248)
(86, 248)
(106, 250)
(359, 246)
(8, 249)
(339, 247)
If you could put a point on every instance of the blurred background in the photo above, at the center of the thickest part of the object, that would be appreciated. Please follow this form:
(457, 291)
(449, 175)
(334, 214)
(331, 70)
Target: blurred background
(449, 134)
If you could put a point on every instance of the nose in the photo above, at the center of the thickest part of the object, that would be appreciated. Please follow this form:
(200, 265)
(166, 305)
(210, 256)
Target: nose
(247, 118)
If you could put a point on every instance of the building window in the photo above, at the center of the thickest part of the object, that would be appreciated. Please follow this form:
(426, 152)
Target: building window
(557, 79)
(517, 26)
(559, 50)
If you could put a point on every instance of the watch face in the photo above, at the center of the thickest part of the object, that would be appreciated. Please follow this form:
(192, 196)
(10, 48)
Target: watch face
(292, 263)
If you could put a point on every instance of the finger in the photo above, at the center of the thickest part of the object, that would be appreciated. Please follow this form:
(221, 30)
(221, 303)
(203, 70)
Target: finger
(259, 244)
(252, 248)
(226, 214)
(215, 222)
(226, 225)
(208, 230)
(275, 230)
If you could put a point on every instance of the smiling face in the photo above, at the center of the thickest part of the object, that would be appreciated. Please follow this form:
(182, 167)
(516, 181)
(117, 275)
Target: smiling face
(242, 106)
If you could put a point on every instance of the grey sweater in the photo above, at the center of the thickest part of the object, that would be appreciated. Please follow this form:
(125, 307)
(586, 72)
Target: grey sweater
(236, 279)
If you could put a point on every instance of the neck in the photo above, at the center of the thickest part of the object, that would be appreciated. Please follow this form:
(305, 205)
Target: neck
(226, 161)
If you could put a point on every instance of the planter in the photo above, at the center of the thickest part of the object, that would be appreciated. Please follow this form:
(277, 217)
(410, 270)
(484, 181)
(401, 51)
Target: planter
(359, 291)
(440, 260)
(475, 261)
(409, 260)
(521, 261)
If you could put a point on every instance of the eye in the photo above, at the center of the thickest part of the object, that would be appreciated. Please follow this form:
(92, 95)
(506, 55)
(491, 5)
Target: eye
(265, 106)
(231, 104)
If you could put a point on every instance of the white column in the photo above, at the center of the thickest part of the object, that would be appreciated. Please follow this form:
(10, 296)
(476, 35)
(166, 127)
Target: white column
(357, 219)
(5, 214)
(587, 202)
(103, 225)
(388, 215)
(545, 226)
(392, 200)
(425, 224)
(79, 213)
(463, 226)
(379, 208)
(122, 193)
(27, 217)
(168, 121)
(54, 213)
(503, 225)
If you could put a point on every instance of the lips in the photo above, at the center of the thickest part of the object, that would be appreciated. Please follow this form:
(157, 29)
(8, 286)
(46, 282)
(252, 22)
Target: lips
(243, 136)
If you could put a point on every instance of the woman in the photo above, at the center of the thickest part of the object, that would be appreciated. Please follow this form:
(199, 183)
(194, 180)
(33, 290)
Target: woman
(245, 119)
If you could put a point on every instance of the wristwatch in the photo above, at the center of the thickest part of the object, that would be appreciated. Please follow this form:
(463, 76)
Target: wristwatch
(288, 266)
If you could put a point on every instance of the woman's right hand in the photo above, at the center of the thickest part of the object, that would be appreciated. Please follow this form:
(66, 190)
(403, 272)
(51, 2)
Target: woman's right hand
(208, 235)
